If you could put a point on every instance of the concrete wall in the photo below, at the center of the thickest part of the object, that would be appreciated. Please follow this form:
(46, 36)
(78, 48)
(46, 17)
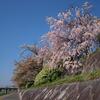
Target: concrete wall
(89, 90)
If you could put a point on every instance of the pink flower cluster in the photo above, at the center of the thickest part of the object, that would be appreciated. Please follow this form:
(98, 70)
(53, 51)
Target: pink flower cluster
(73, 33)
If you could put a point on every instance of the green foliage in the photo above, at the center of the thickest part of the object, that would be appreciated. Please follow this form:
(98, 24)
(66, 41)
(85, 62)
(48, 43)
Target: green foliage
(98, 50)
(76, 78)
(47, 75)
(73, 78)
(83, 59)
(98, 37)
(2, 93)
(29, 84)
(93, 75)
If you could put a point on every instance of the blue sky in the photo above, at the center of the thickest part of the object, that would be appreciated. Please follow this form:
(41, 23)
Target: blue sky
(23, 22)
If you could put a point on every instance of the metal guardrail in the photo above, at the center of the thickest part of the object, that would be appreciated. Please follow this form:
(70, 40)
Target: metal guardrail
(6, 89)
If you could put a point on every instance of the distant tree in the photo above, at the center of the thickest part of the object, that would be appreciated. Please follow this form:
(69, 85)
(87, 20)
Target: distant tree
(29, 66)
(25, 71)
(41, 54)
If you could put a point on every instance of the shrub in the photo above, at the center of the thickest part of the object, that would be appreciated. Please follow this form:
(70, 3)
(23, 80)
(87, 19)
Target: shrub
(98, 37)
(47, 75)
(76, 78)
(83, 59)
(26, 70)
(29, 84)
(94, 74)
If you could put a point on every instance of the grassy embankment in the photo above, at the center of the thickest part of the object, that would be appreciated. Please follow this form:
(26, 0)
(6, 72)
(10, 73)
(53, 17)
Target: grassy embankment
(73, 78)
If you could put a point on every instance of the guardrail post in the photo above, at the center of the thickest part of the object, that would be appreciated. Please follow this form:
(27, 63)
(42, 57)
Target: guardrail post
(6, 90)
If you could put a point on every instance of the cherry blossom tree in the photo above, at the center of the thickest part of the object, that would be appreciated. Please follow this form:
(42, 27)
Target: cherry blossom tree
(72, 34)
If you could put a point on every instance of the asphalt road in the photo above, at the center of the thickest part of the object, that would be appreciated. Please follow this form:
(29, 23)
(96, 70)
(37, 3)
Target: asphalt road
(13, 96)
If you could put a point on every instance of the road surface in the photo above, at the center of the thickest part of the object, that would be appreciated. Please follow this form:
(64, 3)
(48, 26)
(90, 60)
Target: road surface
(13, 96)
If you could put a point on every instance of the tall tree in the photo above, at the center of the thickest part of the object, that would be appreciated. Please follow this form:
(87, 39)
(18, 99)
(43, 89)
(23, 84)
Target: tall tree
(26, 70)
(72, 34)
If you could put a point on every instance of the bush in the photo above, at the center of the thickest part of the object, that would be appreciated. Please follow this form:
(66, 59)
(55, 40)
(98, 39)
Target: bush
(83, 59)
(47, 75)
(29, 84)
(26, 70)
(94, 74)
(98, 37)
(76, 78)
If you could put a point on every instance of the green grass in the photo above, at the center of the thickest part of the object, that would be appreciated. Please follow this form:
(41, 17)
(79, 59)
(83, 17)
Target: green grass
(47, 75)
(73, 78)
(2, 93)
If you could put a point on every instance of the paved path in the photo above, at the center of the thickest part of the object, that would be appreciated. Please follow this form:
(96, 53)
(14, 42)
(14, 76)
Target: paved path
(13, 96)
